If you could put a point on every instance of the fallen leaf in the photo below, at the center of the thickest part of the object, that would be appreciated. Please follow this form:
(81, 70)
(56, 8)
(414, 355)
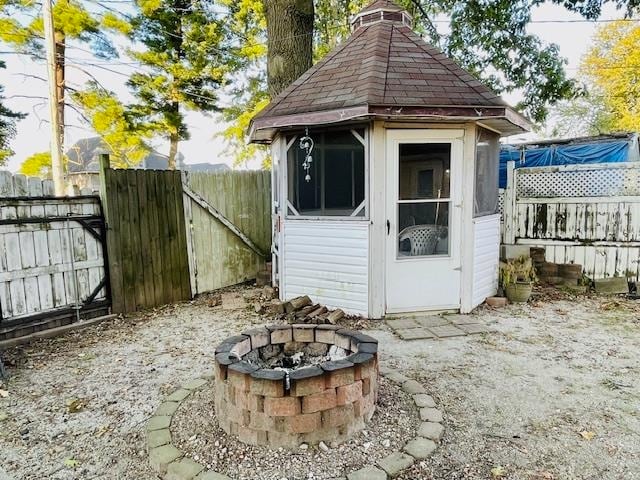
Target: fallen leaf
(587, 435)
(71, 462)
(75, 405)
(498, 472)
(4, 393)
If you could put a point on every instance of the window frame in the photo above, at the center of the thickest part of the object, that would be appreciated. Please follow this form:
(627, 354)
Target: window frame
(290, 212)
(485, 213)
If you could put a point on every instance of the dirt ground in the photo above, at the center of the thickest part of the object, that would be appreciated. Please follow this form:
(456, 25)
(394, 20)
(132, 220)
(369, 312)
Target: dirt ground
(553, 394)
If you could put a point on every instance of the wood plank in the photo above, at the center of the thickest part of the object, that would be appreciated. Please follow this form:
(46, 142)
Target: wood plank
(32, 294)
(79, 243)
(7, 188)
(137, 266)
(84, 289)
(164, 240)
(144, 236)
(27, 249)
(570, 220)
(126, 241)
(47, 188)
(3, 255)
(18, 300)
(185, 281)
(14, 258)
(154, 237)
(5, 301)
(186, 205)
(173, 241)
(219, 198)
(35, 190)
(114, 252)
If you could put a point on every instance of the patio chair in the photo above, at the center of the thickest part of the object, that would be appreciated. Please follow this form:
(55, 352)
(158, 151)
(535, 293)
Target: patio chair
(423, 238)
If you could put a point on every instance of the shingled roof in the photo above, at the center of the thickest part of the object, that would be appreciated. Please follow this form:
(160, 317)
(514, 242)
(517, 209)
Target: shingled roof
(383, 69)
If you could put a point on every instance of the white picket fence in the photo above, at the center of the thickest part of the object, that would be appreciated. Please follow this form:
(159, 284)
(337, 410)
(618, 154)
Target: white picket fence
(584, 214)
(51, 253)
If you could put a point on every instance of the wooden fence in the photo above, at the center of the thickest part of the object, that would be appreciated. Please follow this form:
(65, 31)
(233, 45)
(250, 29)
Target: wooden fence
(52, 257)
(584, 214)
(165, 238)
(229, 225)
(146, 238)
(172, 236)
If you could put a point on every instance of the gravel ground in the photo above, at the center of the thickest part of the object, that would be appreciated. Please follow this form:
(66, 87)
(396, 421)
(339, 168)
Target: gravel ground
(553, 394)
(195, 431)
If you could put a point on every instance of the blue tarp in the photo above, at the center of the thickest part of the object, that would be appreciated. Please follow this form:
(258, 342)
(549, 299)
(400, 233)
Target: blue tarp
(585, 153)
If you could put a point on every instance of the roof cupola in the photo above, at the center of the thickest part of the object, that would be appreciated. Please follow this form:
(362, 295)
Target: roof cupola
(381, 11)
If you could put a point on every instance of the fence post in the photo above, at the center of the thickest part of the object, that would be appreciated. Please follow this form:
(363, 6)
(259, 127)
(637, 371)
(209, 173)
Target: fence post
(510, 205)
(188, 223)
(103, 165)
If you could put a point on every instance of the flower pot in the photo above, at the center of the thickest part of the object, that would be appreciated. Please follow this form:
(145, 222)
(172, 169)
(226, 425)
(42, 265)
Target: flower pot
(519, 292)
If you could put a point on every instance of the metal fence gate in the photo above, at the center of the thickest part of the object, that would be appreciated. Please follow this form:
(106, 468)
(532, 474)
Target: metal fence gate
(52, 258)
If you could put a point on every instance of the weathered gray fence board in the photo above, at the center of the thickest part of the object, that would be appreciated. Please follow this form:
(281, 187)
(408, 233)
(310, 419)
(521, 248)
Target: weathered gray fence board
(220, 256)
(48, 263)
(601, 233)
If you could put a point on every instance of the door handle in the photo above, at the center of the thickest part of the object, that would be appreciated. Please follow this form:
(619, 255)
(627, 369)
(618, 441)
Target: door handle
(388, 227)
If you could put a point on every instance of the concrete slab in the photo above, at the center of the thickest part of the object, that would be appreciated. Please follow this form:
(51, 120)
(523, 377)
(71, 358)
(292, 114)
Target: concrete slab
(420, 448)
(423, 400)
(367, 473)
(447, 331)
(431, 430)
(458, 319)
(395, 463)
(432, 321)
(414, 333)
(402, 323)
(474, 328)
(184, 469)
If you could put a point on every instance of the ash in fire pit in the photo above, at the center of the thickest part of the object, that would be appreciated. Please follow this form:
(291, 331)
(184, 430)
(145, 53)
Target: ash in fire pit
(287, 384)
(293, 355)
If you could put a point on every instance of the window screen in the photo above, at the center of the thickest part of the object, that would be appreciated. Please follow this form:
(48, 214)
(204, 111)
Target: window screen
(337, 183)
(486, 181)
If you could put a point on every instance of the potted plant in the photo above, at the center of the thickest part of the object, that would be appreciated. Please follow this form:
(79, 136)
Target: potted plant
(517, 277)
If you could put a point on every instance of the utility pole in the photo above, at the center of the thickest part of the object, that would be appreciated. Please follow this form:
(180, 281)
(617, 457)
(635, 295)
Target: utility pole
(57, 168)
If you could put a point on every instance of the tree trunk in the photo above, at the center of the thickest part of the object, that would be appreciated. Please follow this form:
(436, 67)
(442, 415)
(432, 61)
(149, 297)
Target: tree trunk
(174, 136)
(173, 150)
(289, 41)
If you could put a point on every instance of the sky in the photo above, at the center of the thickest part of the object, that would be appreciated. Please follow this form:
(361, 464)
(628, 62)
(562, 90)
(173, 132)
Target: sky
(205, 144)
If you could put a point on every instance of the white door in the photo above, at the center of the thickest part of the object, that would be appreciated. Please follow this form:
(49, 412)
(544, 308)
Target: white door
(424, 173)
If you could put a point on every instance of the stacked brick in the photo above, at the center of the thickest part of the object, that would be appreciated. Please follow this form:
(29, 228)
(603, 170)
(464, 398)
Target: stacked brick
(327, 402)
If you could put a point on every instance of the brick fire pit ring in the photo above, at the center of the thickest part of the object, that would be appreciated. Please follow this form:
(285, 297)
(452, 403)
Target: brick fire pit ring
(325, 402)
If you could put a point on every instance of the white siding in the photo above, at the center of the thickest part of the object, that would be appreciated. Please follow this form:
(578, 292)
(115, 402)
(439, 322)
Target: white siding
(486, 257)
(327, 261)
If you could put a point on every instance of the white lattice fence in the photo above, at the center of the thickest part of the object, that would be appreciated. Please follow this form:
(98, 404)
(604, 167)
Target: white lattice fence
(600, 180)
(584, 214)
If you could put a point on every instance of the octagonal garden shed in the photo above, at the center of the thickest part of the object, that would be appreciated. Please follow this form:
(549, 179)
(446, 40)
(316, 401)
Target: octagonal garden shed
(385, 175)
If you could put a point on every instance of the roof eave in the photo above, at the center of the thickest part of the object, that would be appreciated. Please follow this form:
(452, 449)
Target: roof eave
(503, 119)
(263, 129)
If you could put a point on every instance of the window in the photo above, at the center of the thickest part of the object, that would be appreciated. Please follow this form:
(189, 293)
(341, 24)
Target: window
(424, 176)
(486, 181)
(336, 183)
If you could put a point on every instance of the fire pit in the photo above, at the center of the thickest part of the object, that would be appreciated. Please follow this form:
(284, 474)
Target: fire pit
(284, 385)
